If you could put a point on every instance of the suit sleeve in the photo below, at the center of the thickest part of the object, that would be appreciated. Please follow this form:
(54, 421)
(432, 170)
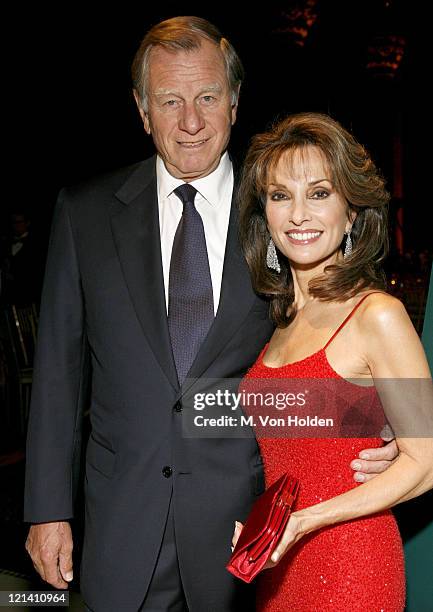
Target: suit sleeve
(59, 381)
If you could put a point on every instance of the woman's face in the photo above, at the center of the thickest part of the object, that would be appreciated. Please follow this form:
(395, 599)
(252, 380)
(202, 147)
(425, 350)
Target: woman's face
(306, 216)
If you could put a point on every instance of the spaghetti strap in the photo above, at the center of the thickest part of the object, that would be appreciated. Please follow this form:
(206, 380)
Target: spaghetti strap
(349, 316)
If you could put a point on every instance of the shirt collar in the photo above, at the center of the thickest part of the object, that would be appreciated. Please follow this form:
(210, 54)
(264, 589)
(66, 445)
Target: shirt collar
(211, 187)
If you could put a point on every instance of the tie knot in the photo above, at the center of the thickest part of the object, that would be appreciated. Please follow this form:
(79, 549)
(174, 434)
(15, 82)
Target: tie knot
(186, 193)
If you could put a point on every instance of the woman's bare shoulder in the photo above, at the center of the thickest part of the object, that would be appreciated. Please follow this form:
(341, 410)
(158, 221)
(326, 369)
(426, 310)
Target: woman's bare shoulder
(389, 340)
(381, 312)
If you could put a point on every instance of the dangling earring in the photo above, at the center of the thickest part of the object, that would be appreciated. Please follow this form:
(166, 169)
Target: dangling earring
(272, 258)
(348, 245)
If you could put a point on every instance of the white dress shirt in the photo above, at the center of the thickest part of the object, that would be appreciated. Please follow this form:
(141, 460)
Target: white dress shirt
(213, 202)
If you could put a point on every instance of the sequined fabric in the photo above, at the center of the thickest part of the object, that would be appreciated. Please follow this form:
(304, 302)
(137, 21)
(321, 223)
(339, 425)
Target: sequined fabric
(356, 566)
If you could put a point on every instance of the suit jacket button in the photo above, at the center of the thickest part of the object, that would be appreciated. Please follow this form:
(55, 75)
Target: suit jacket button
(167, 471)
(177, 407)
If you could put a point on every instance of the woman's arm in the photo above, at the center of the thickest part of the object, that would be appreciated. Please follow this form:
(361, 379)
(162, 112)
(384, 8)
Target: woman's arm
(393, 351)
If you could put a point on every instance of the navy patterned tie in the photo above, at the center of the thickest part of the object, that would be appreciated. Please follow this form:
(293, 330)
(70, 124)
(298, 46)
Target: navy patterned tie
(190, 296)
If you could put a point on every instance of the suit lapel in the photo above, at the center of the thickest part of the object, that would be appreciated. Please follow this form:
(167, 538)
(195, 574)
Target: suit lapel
(135, 227)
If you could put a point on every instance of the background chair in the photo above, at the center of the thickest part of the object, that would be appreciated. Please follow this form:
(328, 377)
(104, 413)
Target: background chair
(21, 330)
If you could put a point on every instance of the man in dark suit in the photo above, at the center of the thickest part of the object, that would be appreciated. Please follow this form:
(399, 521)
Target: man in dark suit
(146, 287)
(21, 262)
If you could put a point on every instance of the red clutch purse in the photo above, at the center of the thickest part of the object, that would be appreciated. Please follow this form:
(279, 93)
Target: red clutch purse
(264, 527)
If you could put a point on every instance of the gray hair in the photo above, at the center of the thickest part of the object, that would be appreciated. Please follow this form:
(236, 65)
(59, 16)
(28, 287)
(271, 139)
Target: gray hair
(184, 34)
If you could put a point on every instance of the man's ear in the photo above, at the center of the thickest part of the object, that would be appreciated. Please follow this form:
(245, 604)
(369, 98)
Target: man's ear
(144, 116)
(235, 107)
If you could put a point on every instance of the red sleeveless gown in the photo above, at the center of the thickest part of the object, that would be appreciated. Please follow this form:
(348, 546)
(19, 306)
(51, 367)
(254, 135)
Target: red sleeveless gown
(355, 566)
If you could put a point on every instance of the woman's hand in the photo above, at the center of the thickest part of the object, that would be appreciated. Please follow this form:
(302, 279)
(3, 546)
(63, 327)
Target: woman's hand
(292, 534)
(237, 532)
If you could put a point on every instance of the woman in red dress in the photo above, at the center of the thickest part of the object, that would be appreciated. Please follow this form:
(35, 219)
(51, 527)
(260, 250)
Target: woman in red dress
(314, 228)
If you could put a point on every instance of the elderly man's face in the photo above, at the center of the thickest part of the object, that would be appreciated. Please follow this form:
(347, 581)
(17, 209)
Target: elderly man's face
(190, 111)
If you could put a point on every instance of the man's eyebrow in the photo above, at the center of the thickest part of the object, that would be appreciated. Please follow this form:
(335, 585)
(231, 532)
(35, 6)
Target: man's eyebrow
(165, 92)
(213, 87)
